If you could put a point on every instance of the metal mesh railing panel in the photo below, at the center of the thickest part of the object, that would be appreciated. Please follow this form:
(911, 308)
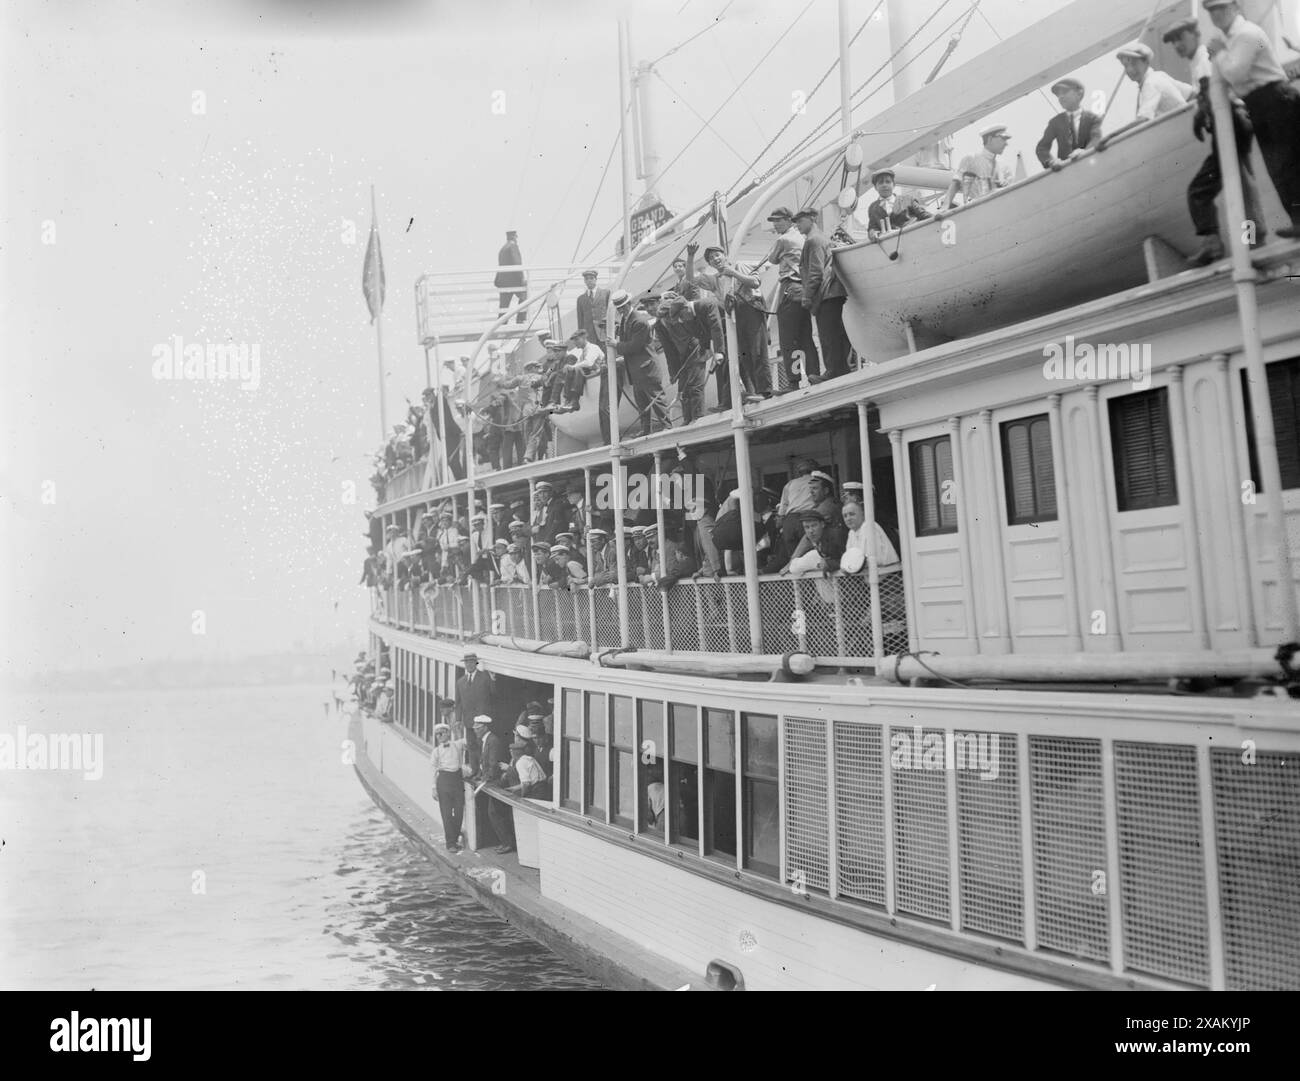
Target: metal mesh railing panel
(546, 615)
(859, 812)
(1162, 877)
(855, 612)
(607, 635)
(990, 874)
(1069, 833)
(1257, 827)
(814, 599)
(893, 613)
(640, 606)
(683, 618)
(806, 820)
(920, 826)
(776, 605)
(739, 607)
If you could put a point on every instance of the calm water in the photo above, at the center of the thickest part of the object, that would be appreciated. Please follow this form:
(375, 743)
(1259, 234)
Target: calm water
(242, 792)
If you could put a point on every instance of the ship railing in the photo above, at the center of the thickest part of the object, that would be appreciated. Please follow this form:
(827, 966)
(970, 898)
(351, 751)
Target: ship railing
(453, 306)
(828, 616)
(406, 481)
(1144, 847)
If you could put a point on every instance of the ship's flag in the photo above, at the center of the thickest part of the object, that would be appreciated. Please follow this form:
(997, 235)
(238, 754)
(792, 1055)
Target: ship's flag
(372, 274)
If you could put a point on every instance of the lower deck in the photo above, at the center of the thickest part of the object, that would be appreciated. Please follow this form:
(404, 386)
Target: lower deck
(846, 835)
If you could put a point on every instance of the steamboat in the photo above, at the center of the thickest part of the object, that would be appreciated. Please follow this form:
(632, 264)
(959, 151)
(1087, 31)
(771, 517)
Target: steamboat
(1056, 742)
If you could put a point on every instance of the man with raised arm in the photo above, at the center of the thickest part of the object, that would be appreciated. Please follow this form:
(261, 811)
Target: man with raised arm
(793, 321)
(737, 289)
(632, 344)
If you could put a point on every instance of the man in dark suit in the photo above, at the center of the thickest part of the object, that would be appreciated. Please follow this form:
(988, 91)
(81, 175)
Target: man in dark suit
(592, 306)
(823, 295)
(690, 332)
(1073, 131)
(891, 210)
(632, 344)
(512, 283)
(474, 694)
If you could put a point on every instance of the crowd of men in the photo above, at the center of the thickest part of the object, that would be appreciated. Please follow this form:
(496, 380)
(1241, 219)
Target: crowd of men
(557, 543)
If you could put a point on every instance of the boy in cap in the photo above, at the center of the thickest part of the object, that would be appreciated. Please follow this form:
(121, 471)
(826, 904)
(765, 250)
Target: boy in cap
(891, 210)
(1074, 129)
(1249, 64)
(979, 174)
(739, 292)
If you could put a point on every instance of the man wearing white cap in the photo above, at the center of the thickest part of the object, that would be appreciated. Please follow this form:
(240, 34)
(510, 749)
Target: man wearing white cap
(514, 566)
(604, 569)
(1250, 66)
(979, 174)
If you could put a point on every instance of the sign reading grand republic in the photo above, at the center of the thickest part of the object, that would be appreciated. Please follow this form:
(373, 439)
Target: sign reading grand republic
(648, 218)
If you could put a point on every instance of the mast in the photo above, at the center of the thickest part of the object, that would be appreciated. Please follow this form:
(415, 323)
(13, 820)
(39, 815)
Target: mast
(846, 87)
(905, 19)
(625, 144)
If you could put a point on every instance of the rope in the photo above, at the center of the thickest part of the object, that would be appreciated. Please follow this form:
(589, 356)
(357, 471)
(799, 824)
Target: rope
(917, 657)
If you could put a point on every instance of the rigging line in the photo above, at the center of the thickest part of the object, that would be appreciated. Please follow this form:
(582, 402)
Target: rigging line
(677, 48)
(692, 108)
(739, 86)
(819, 131)
(618, 134)
(823, 127)
(1050, 104)
(532, 131)
(772, 142)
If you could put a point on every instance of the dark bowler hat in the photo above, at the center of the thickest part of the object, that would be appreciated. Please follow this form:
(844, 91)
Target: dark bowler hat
(1178, 30)
(1071, 83)
(781, 213)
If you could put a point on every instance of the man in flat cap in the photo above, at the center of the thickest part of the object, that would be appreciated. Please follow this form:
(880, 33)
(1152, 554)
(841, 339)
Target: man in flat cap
(739, 292)
(891, 210)
(823, 294)
(593, 303)
(690, 332)
(1074, 129)
(1158, 91)
(604, 567)
(1250, 65)
(793, 320)
(512, 283)
(826, 541)
(1185, 37)
(979, 174)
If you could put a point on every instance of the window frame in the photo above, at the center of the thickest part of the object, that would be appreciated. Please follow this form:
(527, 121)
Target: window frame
(1118, 456)
(1036, 516)
(914, 448)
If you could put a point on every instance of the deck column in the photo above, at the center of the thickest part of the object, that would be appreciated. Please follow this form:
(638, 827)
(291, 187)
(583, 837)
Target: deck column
(1002, 636)
(1244, 276)
(964, 533)
(1236, 512)
(1063, 512)
(1105, 550)
(905, 540)
(1183, 468)
(869, 520)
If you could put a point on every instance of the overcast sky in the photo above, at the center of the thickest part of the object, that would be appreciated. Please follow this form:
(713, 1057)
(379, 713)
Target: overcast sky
(193, 169)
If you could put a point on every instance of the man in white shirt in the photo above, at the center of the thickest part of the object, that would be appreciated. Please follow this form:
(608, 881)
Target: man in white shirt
(859, 534)
(1185, 37)
(1158, 91)
(1250, 66)
(514, 566)
(793, 320)
(979, 174)
(581, 361)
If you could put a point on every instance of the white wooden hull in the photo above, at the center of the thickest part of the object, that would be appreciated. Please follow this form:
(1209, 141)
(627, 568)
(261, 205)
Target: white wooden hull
(1050, 242)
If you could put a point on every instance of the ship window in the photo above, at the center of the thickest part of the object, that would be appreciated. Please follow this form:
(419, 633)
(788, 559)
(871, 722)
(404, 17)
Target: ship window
(571, 752)
(1284, 396)
(683, 775)
(1142, 450)
(623, 786)
(1027, 470)
(761, 795)
(933, 501)
(720, 782)
(652, 748)
(597, 795)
